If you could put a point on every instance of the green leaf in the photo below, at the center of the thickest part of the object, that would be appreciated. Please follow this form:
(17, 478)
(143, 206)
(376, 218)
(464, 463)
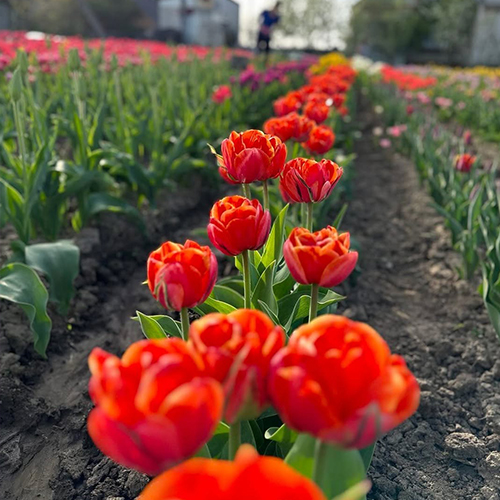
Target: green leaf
(60, 262)
(150, 327)
(264, 289)
(219, 440)
(228, 295)
(212, 305)
(21, 285)
(367, 455)
(342, 469)
(203, 452)
(274, 245)
(283, 435)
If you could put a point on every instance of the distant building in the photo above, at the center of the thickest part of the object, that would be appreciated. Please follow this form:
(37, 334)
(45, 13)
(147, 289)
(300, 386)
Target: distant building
(200, 22)
(485, 47)
(5, 15)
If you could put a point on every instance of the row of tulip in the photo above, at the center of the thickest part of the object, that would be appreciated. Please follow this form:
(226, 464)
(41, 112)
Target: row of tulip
(465, 188)
(259, 366)
(462, 96)
(81, 139)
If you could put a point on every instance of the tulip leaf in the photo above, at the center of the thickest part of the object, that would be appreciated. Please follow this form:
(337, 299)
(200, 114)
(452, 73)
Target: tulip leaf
(339, 470)
(219, 440)
(367, 455)
(273, 249)
(263, 291)
(265, 308)
(283, 435)
(357, 492)
(21, 285)
(59, 261)
(296, 305)
(283, 282)
(212, 305)
(203, 452)
(228, 295)
(150, 327)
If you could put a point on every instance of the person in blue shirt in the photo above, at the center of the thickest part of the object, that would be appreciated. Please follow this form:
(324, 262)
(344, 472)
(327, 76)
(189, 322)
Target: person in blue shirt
(268, 19)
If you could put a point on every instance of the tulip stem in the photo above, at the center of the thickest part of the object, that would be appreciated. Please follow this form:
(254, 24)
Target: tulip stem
(246, 191)
(319, 460)
(310, 208)
(295, 151)
(246, 279)
(265, 192)
(234, 439)
(185, 323)
(313, 308)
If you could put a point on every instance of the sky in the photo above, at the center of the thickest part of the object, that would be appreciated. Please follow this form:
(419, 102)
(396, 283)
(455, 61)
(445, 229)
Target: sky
(249, 14)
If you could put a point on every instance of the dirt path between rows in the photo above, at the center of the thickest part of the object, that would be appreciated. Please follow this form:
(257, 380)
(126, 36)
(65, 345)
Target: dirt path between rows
(409, 291)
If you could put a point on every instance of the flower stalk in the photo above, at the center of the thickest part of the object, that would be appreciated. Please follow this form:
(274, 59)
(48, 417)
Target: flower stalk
(246, 279)
(313, 308)
(234, 439)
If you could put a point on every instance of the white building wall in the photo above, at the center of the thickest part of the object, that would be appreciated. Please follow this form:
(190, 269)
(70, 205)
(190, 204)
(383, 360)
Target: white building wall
(485, 48)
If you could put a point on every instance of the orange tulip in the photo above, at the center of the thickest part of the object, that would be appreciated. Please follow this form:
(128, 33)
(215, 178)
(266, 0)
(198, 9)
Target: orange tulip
(306, 181)
(181, 275)
(280, 127)
(321, 140)
(251, 156)
(154, 406)
(287, 104)
(316, 112)
(249, 477)
(238, 224)
(300, 125)
(237, 349)
(338, 381)
(321, 258)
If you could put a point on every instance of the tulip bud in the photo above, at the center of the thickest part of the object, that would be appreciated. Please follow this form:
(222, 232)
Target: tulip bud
(74, 62)
(22, 62)
(16, 85)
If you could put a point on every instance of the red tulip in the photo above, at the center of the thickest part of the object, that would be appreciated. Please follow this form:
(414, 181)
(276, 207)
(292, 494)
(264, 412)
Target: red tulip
(249, 477)
(306, 181)
(237, 349)
(181, 275)
(316, 112)
(287, 104)
(338, 381)
(301, 126)
(280, 127)
(321, 140)
(238, 224)
(321, 258)
(154, 406)
(221, 94)
(465, 162)
(251, 156)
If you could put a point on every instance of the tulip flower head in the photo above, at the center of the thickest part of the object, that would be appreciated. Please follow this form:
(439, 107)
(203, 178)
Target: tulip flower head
(305, 181)
(221, 94)
(338, 381)
(154, 407)
(464, 162)
(181, 275)
(316, 112)
(322, 258)
(301, 126)
(321, 140)
(249, 477)
(237, 349)
(251, 156)
(238, 224)
(280, 127)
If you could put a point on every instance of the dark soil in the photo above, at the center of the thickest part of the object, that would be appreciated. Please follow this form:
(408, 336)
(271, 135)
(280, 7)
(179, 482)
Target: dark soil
(408, 291)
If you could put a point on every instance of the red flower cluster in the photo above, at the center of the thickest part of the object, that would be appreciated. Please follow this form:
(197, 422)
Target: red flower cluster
(221, 94)
(316, 99)
(464, 162)
(406, 81)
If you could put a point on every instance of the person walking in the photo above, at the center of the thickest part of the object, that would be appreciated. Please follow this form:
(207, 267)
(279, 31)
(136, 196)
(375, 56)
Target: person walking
(267, 19)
